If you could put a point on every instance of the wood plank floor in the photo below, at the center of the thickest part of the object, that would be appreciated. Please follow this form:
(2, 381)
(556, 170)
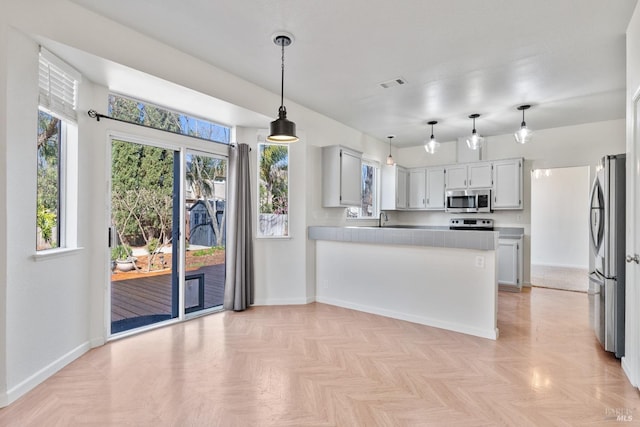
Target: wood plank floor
(151, 294)
(321, 365)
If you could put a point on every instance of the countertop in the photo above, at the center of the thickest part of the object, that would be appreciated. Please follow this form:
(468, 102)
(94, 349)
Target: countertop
(409, 235)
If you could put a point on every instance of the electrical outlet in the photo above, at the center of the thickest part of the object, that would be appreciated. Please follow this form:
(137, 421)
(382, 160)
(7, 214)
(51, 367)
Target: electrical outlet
(480, 261)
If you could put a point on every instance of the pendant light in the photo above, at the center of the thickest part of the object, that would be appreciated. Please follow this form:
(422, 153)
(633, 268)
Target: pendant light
(474, 141)
(390, 161)
(432, 145)
(523, 135)
(282, 130)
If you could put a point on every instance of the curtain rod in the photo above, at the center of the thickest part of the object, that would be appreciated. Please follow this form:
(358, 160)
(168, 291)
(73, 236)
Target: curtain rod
(95, 115)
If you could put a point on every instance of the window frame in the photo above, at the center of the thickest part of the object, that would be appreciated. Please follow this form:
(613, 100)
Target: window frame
(259, 234)
(376, 193)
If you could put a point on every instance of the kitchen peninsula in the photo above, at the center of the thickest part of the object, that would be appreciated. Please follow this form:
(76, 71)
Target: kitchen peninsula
(428, 275)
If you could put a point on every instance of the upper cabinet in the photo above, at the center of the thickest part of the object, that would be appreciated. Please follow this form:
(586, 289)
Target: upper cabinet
(417, 188)
(341, 177)
(479, 175)
(435, 188)
(471, 175)
(426, 188)
(393, 191)
(456, 177)
(507, 188)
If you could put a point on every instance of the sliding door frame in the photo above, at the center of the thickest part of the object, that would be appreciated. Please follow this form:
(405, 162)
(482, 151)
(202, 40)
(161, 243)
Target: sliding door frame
(180, 144)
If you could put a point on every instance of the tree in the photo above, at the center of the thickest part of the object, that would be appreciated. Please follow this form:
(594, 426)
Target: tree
(274, 164)
(48, 152)
(202, 173)
(142, 192)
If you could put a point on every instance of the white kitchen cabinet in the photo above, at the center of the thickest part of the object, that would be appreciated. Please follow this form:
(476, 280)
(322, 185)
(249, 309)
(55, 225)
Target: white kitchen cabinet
(479, 175)
(393, 188)
(341, 177)
(417, 184)
(507, 184)
(510, 263)
(435, 188)
(471, 175)
(456, 177)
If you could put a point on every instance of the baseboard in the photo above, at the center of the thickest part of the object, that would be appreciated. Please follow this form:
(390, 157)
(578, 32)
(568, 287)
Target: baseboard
(97, 342)
(284, 301)
(628, 371)
(478, 332)
(573, 267)
(34, 380)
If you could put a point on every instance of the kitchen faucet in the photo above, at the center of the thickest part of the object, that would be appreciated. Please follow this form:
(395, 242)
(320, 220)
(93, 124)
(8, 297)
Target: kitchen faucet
(382, 215)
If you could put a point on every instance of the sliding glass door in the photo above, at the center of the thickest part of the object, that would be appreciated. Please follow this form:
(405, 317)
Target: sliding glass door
(205, 218)
(144, 234)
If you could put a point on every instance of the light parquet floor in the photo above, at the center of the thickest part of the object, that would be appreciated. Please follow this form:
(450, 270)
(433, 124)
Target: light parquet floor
(321, 365)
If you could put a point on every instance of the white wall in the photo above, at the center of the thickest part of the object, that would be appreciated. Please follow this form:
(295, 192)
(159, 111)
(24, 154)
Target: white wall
(3, 207)
(559, 217)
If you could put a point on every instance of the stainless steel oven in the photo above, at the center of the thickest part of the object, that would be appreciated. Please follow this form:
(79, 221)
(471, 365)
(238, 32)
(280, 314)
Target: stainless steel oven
(468, 201)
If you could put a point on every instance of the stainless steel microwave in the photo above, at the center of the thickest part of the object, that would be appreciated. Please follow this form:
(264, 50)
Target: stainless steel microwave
(468, 201)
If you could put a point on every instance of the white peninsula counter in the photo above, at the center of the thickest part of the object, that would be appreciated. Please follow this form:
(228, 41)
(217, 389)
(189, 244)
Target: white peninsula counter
(428, 275)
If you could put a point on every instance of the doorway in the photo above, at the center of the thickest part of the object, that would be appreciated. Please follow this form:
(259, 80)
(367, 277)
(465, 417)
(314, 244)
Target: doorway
(155, 189)
(560, 228)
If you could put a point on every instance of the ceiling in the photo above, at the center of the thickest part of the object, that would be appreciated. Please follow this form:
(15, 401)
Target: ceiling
(564, 57)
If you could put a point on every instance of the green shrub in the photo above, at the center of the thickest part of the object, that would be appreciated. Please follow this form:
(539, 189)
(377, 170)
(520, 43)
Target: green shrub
(121, 252)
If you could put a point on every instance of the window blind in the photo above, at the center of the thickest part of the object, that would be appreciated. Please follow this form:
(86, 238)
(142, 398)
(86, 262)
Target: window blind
(58, 83)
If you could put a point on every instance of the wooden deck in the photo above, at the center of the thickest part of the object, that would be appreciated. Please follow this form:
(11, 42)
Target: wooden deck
(151, 295)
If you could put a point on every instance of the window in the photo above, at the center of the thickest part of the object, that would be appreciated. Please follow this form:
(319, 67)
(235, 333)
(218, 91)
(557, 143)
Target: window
(56, 183)
(368, 208)
(273, 190)
(145, 114)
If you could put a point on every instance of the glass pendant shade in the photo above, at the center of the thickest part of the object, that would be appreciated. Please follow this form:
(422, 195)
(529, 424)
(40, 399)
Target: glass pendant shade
(524, 134)
(475, 141)
(431, 146)
(390, 161)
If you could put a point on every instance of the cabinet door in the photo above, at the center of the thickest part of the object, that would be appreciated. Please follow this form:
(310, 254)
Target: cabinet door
(350, 179)
(435, 188)
(401, 191)
(479, 175)
(508, 273)
(417, 190)
(507, 184)
(456, 177)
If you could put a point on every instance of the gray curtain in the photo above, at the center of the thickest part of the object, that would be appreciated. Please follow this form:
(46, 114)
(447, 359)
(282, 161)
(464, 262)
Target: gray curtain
(239, 286)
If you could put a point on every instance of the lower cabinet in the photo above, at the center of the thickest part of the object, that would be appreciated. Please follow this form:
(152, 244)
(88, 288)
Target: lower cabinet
(510, 263)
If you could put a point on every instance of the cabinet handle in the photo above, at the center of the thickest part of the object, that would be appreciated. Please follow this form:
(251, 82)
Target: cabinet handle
(465, 182)
(469, 183)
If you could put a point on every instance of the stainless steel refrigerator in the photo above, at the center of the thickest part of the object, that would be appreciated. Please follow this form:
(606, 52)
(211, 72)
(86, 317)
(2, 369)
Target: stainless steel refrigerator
(607, 237)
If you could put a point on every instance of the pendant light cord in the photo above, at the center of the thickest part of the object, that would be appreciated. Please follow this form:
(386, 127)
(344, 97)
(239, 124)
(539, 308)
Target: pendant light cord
(282, 78)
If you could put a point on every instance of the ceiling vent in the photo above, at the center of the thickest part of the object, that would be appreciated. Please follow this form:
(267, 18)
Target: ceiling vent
(393, 82)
